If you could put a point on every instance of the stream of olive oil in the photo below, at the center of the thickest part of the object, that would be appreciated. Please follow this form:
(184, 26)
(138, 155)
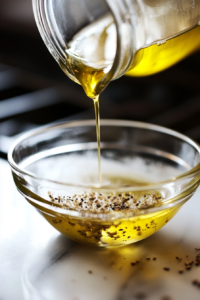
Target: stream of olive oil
(89, 78)
(97, 117)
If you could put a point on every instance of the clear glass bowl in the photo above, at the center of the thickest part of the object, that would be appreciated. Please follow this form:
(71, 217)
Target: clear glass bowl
(138, 160)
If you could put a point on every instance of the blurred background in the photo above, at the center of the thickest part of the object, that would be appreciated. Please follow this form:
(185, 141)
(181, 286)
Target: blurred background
(34, 91)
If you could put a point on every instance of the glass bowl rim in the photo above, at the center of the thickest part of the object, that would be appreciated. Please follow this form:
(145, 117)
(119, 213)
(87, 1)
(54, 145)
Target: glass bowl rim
(104, 122)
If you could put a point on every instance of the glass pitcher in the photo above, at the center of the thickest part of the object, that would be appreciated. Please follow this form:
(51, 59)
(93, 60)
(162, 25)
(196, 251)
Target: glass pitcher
(110, 38)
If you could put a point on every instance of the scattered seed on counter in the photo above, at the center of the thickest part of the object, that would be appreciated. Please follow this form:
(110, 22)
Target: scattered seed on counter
(195, 282)
(198, 259)
(166, 297)
(140, 295)
(178, 258)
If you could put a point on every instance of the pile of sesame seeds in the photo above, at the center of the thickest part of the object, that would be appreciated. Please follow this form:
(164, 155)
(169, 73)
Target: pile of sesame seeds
(97, 202)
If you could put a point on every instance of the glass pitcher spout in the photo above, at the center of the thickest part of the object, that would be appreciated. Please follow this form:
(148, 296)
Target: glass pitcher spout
(101, 40)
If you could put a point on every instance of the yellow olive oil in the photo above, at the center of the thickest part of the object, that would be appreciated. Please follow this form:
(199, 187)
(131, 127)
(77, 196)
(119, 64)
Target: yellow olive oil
(116, 233)
(164, 54)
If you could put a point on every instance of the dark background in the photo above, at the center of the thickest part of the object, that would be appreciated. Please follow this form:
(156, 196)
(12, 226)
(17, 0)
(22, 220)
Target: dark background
(34, 91)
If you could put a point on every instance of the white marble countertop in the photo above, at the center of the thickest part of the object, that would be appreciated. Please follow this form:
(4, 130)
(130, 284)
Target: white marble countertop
(36, 262)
